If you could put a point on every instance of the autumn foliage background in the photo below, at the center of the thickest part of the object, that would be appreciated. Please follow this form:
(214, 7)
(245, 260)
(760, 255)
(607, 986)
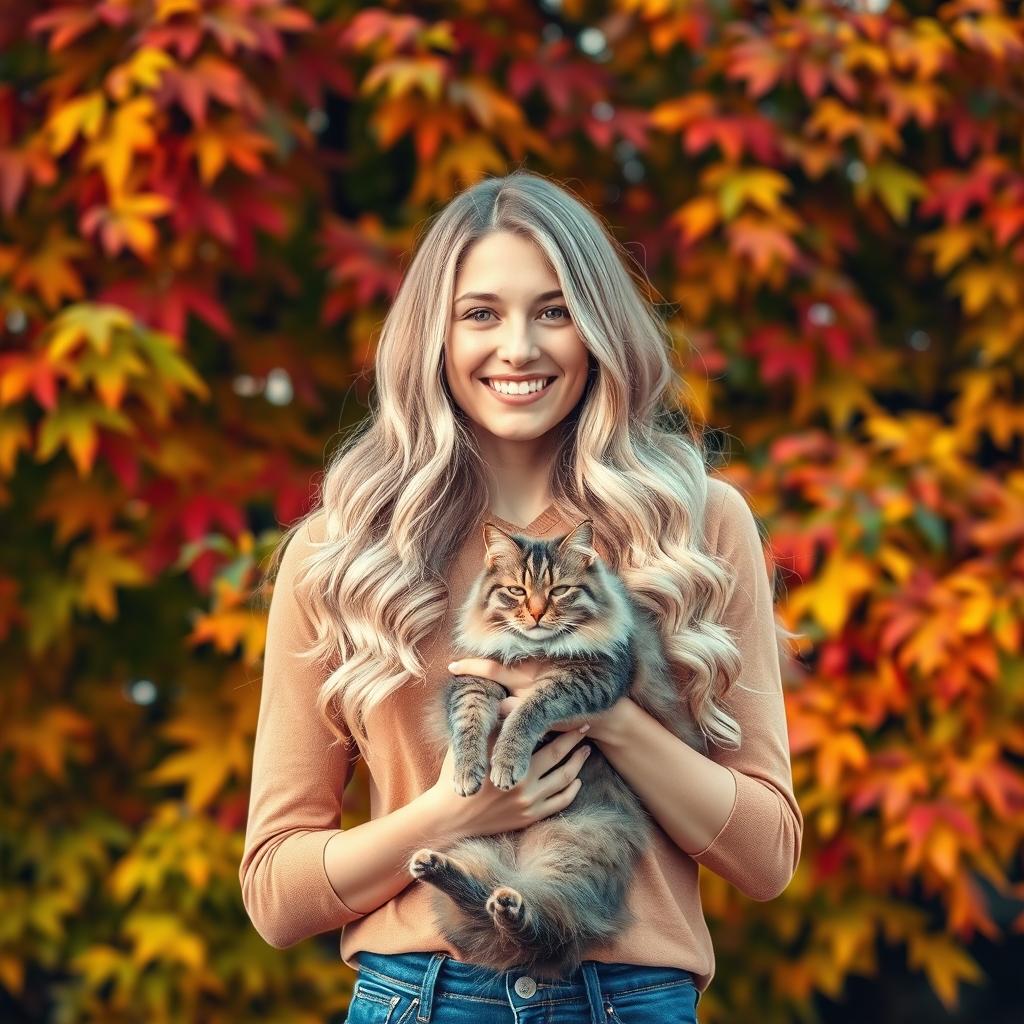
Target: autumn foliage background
(206, 207)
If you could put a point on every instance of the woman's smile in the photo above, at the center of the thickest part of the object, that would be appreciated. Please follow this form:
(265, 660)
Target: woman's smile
(516, 393)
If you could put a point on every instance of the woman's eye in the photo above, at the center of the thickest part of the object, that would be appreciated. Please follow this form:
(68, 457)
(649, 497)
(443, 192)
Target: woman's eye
(518, 591)
(471, 315)
(556, 591)
(562, 309)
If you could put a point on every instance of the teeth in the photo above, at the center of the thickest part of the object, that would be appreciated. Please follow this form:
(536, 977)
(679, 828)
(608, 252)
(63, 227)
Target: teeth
(525, 387)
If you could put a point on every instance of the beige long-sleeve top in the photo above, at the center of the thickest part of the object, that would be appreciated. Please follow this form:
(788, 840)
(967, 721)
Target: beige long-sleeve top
(298, 783)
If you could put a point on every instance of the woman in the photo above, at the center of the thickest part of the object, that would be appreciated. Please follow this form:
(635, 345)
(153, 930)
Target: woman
(514, 278)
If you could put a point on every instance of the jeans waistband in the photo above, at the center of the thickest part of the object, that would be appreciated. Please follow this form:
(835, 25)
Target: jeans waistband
(422, 974)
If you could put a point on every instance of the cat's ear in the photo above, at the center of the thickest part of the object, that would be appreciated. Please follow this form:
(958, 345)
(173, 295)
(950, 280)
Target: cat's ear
(498, 544)
(580, 543)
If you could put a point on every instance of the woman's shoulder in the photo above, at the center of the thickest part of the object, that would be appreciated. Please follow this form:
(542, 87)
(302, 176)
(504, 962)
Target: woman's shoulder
(303, 540)
(316, 526)
(728, 513)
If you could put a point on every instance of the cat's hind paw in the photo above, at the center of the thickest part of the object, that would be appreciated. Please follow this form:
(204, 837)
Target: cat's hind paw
(505, 905)
(426, 863)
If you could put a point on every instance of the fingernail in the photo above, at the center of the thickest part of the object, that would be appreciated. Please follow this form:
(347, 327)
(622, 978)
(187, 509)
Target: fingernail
(453, 666)
(586, 752)
(584, 728)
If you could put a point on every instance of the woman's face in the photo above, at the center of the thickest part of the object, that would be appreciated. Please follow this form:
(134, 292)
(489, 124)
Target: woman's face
(509, 320)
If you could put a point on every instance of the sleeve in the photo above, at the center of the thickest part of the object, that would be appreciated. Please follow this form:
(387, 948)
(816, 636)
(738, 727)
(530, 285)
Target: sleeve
(298, 779)
(758, 848)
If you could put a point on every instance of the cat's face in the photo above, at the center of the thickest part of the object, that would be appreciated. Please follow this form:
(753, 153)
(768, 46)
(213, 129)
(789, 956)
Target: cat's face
(539, 588)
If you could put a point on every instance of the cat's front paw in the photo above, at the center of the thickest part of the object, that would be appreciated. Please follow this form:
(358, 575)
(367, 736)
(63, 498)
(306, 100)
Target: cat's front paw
(506, 771)
(469, 777)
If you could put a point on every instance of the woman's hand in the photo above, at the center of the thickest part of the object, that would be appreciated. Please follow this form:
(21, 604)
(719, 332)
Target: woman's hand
(520, 681)
(540, 793)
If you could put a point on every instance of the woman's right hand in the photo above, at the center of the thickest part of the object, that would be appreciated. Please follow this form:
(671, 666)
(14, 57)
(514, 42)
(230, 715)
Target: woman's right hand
(539, 794)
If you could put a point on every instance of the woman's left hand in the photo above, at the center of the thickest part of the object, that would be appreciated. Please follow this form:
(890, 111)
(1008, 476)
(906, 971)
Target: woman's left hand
(520, 681)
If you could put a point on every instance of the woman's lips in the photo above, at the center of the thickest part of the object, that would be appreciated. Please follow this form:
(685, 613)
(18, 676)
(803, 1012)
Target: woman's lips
(526, 399)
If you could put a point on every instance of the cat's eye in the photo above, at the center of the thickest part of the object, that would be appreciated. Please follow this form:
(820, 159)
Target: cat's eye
(557, 591)
(516, 590)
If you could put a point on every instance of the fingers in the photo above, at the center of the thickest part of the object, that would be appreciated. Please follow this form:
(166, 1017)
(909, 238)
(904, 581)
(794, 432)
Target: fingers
(551, 753)
(521, 675)
(560, 800)
(558, 778)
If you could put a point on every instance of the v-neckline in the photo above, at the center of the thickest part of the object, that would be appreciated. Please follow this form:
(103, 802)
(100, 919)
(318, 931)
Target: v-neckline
(546, 519)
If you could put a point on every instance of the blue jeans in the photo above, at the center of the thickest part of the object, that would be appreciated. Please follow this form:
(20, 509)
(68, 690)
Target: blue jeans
(416, 988)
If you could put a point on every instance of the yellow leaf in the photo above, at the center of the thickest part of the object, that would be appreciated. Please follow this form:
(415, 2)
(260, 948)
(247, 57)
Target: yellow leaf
(863, 54)
(979, 285)
(127, 221)
(163, 937)
(895, 185)
(489, 105)
(112, 373)
(80, 116)
(951, 244)
(760, 186)
(215, 751)
(944, 962)
(99, 964)
(215, 144)
(92, 323)
(48, 268)
(145, 68)
(74, 425)
(15, 437)
(838, 122)
(924, 49)
(896, 562)
(992, 34)
(828, 821)
(167, 9)
(697, 217)
(47, 741)
(101, 568)
(676, 113)
(837, 752)
(226, 628)
(847, 933)
(465, 161)
(942, 850)
(130, 130)
(829, 597)
(404, 75)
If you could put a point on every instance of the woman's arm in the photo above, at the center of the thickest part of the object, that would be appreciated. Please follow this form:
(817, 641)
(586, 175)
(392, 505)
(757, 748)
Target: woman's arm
(298, 777)
(370, 862)
(300, 873)
(748, 830)
(688, 794)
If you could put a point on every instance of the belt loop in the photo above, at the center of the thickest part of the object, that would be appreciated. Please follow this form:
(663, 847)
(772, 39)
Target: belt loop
(594, 997)
(427, 988)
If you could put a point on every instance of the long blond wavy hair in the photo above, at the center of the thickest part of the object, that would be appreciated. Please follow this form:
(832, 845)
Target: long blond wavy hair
(401, 493)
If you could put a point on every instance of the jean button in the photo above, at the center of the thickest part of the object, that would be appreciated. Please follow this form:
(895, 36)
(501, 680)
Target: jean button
(525, 986)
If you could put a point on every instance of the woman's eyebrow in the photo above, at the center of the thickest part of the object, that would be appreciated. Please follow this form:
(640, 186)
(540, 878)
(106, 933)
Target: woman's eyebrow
(491, 297)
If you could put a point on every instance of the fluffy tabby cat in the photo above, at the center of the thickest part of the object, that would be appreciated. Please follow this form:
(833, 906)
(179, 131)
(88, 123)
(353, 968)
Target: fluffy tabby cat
(537, 897)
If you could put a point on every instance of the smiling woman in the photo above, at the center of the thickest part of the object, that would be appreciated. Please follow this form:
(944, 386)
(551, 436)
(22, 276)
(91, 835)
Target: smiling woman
(507, 328)
(516, 280)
